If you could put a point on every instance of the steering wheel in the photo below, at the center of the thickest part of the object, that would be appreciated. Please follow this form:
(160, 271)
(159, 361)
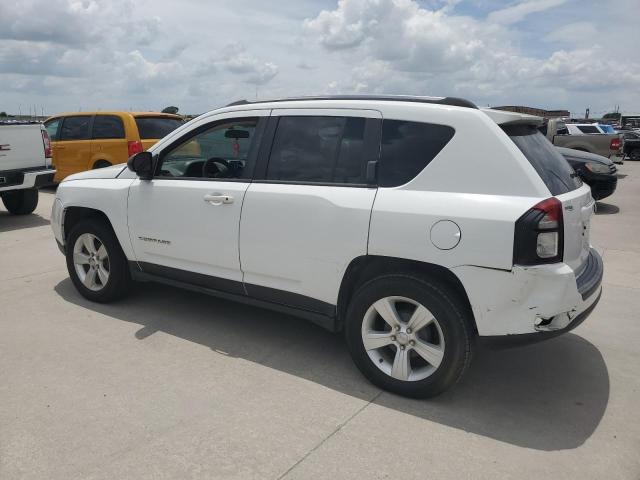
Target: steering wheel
(217, 168)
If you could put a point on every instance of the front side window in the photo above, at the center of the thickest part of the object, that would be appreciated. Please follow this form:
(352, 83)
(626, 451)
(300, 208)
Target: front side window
(318, 149)
(52, 128)
(221, 151)
(75, 128)
(407, 148)
(107, 126)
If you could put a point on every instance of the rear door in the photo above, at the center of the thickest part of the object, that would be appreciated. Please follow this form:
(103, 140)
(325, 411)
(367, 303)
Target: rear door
(72, 151)
(564, 184)
(108, 142)
(153, 128)
(306, 214)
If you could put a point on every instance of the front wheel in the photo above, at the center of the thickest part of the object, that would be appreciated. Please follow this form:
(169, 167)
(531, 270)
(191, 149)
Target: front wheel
(635, 154)
(97, 265)
(408, 335)
(20, 202)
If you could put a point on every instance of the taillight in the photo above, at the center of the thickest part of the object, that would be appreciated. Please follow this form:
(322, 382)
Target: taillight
(46, 141)
(615, 144)
(135, 147)
(539, 234)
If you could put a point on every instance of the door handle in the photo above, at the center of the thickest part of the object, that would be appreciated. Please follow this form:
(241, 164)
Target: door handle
(218, 199)
(58, 147)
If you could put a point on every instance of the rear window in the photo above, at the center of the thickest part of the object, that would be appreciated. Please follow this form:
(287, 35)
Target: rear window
(408, 147)
(589, 129)
(152, 128)
(555, 171)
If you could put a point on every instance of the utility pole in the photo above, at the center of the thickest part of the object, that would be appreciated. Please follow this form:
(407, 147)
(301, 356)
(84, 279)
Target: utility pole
(586, 114)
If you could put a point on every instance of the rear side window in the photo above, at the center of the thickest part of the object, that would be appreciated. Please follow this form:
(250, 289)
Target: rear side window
(107, 126)
(555, 171)
(589, 129)
(318, 149)
(75, 128)
(408, 147)
(153, 128)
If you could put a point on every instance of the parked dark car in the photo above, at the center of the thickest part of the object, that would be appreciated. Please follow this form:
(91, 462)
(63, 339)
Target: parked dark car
(597, 171)
(631, 145)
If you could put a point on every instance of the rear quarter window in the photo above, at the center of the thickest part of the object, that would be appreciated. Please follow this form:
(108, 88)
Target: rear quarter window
(553, 168)
(152, 128)
(407, 148)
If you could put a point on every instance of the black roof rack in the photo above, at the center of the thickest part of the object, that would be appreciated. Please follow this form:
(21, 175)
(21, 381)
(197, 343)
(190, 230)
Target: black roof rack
(453, 101)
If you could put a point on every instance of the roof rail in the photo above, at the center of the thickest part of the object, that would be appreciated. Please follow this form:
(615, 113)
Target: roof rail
(452, 101)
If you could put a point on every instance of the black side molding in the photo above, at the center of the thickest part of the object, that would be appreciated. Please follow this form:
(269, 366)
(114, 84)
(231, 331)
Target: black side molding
(316, 311)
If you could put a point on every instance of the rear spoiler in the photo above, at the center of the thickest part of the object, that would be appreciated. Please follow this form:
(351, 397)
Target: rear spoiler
(504, 118)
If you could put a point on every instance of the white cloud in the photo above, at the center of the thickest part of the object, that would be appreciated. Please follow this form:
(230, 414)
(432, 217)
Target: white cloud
(146, 54)
(255, 71)
(396, 46)
(517, 12)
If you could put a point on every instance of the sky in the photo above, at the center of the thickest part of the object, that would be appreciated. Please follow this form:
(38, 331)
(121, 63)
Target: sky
(72, 55)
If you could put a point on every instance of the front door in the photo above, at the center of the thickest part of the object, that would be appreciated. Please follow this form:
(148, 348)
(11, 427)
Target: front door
(184, 224)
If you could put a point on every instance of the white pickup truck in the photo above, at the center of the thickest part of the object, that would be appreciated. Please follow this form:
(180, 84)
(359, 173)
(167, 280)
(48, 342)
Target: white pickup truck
(25, 165)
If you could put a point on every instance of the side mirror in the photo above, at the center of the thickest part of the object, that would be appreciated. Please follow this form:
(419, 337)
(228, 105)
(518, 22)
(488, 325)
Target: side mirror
(142, 164)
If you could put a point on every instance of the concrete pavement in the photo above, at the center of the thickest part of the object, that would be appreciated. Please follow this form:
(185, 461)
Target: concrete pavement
(172, 384)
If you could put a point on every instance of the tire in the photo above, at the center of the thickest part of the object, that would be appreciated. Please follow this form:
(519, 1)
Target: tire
(94, 285)
(635, 154)
(101, 164)
(446, 334)
(21, 202)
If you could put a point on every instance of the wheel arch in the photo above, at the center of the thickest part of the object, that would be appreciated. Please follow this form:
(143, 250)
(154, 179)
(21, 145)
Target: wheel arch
(366, 267)
(73, 215)
(99, 160)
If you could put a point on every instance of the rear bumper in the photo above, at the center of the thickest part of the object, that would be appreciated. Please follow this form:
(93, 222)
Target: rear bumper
(538, 300)
(25, 180)
(506, 341)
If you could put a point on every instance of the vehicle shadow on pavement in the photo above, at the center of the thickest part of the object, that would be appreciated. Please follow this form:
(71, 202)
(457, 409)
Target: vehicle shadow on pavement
(10, 222)
(606, 209)
(547, 396)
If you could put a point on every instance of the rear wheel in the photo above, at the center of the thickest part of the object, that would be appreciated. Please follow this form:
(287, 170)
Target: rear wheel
(635, 154)
(20, 202)
(97, 265)
(408, 335)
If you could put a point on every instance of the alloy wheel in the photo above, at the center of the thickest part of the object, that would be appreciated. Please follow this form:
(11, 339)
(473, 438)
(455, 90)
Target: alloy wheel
(91, 262)
(402, 338)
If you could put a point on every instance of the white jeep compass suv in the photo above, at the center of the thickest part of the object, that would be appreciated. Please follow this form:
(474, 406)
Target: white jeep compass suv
(415, 225)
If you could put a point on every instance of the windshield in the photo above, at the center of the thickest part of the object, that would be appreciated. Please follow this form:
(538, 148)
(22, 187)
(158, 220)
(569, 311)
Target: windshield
(153, 128)
(554, 170)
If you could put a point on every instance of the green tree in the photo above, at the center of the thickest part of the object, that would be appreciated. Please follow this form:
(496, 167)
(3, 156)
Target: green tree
(612, 115)
(173, 110)
(3, 114)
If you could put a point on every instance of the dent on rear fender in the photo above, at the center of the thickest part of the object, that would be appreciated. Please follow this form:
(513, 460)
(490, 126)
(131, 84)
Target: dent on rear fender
(509, 302)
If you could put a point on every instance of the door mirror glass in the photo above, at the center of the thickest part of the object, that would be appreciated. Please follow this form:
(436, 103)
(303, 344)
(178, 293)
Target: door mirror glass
(142, 164)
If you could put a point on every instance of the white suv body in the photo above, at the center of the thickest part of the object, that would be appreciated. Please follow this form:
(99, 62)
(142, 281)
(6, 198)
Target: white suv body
(336, 209)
